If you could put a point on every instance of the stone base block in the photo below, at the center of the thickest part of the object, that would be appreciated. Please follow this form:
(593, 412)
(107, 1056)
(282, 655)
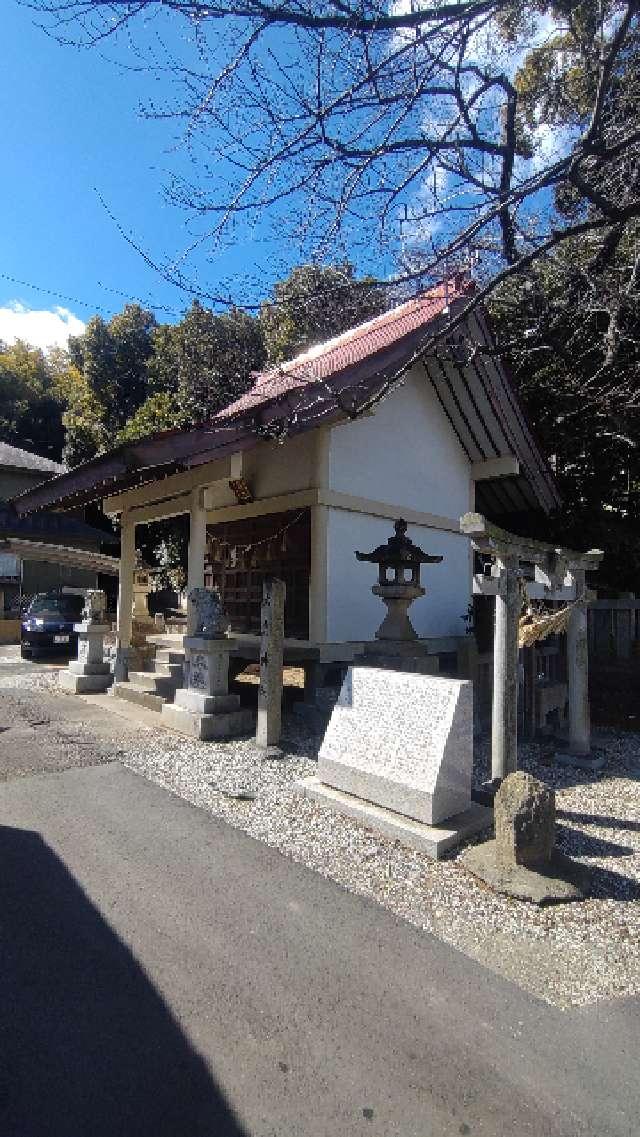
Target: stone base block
(200, 704)
(84, 684)
(418, 664)
(434, 840)
(562, 879)
(78, 668)
(592, 762)
(207, 727)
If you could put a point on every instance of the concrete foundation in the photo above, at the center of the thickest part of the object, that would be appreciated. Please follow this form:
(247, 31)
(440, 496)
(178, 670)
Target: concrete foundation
(80, 684)
(206, 727)
(434, 840)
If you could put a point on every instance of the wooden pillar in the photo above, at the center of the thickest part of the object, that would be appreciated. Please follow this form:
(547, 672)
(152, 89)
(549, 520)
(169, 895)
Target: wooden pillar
(578, 670)
(271, 657)
(318, 592)
(125, 595)
(197, 540)
(504, 723)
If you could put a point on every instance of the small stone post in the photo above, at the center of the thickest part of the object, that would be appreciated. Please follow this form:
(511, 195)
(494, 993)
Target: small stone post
(578, 670)
(504, 732)
(271, 658)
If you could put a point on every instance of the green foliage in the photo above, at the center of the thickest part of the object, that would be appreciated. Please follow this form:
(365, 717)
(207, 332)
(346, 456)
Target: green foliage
(573, 342)
(158, 412)
(112, 357)
(30, 401)
(206, 360)
(314, 303)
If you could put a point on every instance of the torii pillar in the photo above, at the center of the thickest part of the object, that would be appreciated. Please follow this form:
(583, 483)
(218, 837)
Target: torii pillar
(504, 712)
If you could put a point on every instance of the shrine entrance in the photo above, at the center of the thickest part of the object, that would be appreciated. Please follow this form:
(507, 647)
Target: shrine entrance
(242, 554)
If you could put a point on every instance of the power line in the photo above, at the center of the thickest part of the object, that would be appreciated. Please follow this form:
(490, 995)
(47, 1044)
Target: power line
(85, 303)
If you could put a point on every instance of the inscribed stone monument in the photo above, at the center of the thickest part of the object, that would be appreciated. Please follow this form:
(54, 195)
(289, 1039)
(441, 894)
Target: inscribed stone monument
(397, 756)
(402, 741)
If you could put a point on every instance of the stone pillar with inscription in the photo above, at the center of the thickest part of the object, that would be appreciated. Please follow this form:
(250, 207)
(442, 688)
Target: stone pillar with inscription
(504, 731)
(204, 708)
(271, 658)
(89, 672)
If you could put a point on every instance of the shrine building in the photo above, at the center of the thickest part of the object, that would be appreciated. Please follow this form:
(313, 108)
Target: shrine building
(308, 466)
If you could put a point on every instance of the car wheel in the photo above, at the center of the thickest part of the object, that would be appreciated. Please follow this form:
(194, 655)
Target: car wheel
(25, 651)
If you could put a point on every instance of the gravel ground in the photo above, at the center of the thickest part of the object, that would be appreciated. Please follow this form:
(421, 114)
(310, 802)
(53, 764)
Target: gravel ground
(568, 955)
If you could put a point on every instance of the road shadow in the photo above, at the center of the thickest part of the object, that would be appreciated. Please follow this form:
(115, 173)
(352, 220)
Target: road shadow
(576, 842)
(87, 1044)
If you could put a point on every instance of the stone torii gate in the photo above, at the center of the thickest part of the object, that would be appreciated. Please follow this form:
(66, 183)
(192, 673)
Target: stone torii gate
(561, 573)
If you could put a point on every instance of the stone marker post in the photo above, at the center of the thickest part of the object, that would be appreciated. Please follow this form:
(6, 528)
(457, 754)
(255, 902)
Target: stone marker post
(504, 729)
(271, 658)
(578, 670)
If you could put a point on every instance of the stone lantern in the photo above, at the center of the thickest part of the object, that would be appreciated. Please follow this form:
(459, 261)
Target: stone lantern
(399, 563)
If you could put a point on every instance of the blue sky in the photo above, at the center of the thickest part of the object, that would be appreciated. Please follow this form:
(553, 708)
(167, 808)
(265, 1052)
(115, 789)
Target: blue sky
(72, 132)
(80, 161)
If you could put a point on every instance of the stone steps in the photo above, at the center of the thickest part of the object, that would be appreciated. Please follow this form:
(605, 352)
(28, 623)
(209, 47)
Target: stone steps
(168, 657)
(157, 685)
(172, 671)
(137, 695)
(150, 681)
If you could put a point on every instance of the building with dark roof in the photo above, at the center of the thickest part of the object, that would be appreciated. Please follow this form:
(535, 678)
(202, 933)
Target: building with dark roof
(20, 574)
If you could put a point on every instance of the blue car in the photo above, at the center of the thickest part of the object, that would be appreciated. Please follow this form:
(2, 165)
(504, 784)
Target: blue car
(47, 625)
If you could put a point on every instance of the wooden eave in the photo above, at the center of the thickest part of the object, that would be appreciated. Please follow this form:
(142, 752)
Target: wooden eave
(481, 408)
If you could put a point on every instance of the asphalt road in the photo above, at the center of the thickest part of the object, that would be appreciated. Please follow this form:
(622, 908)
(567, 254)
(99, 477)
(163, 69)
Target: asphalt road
(164, 974)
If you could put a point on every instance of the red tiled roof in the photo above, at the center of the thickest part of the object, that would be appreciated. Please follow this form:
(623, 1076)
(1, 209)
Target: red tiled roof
(327, 359)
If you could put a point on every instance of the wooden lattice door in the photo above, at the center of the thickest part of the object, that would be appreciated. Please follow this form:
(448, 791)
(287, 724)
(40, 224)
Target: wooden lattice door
(240, 554)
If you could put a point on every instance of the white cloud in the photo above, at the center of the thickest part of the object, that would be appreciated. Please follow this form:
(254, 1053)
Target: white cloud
(38, 327)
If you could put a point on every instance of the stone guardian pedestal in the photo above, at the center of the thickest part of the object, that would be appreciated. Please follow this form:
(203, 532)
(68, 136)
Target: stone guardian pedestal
(89, 672)
(203, 708)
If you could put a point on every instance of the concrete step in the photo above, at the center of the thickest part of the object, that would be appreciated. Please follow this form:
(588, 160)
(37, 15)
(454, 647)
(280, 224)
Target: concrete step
(165, 655)
(137, 695)
(172, 671)
(150, 681)
(167, 640)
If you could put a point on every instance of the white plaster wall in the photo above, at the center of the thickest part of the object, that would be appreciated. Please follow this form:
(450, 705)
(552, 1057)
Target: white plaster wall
(405, 454)
(355, 614)
(273, 469)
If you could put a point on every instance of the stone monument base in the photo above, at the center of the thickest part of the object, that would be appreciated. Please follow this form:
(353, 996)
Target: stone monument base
(434, 840)
(560, 879)
(207, 717)
(399, 655)
(85, 679)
